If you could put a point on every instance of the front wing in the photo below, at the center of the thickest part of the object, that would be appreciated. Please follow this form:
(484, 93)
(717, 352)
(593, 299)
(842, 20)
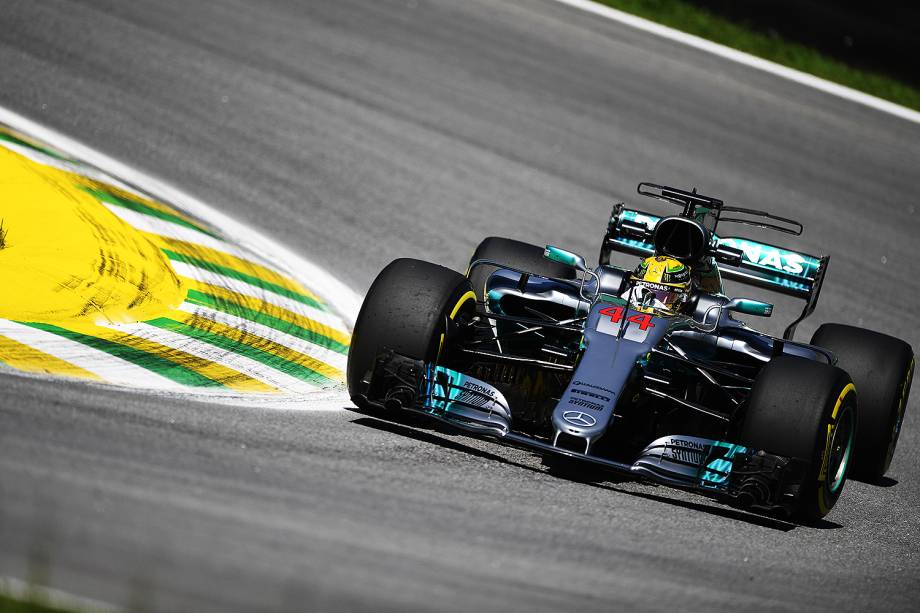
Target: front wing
(729, 472)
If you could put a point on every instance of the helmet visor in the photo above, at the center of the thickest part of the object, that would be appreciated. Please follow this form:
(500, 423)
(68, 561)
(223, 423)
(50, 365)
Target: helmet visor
(659, 297)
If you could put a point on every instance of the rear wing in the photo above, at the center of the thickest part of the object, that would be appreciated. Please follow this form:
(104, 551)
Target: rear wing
(792, 273)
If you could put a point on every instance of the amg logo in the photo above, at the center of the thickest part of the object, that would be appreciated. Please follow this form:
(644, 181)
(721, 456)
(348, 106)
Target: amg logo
(592, 395)
(586, 404)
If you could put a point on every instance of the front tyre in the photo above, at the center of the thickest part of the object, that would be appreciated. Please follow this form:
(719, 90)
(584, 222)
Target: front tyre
(882, 368)
(407, 309)
(515, 254)
(806, 410)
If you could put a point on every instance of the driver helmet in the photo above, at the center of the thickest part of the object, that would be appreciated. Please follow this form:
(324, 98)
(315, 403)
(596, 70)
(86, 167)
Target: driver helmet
(661, 283)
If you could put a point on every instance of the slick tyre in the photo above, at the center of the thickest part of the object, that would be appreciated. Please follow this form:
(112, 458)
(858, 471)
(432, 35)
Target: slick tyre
(882, 368)
(805, 410)
(407, 309)
(515, 254)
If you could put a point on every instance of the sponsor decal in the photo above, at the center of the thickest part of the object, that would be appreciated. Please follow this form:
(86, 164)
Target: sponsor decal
(680, 442)
(689, 452)
(578, 418)
(451, 387)
(475, 395)
(591, 395)
(592, 386)
(772, 257)
(481, 389)
(586, 404)
(660, 287)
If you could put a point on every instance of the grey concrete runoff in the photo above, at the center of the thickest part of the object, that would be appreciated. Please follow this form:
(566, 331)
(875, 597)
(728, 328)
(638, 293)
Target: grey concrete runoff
(356, 132)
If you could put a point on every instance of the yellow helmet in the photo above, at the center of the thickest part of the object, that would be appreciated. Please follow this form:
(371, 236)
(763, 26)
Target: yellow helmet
(660, 282)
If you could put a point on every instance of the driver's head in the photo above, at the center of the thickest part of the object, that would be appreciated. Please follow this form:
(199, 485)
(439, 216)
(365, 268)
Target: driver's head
(660, 282)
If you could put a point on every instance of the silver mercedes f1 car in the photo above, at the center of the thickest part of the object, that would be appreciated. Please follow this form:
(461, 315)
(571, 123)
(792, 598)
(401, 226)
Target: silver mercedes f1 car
(646, 372)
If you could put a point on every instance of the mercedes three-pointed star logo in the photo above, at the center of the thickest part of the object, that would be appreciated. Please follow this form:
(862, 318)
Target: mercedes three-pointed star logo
(577, 418)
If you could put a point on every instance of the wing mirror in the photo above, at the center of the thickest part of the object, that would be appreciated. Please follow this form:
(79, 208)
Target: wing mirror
(749, 307)
(568, 258)
(565, 257)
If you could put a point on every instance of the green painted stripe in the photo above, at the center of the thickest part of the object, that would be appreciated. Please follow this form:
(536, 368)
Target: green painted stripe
(269, 359)
(242, 276)
(155, 363)
(140, 207)
(18, 141)
(238, 310)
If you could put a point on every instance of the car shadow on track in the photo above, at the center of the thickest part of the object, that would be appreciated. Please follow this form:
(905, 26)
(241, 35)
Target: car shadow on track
(880, 482)
(425, 433)
(423, 430)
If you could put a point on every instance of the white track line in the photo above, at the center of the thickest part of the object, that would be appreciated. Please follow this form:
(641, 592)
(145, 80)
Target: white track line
(201, 349)
(327, 356)
(163, 227)
(747, 59)
(111, 368)
(23, 590)
(336, 293)
(72, 166)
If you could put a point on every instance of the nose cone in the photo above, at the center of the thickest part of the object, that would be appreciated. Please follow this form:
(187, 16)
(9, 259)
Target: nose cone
(616, 339)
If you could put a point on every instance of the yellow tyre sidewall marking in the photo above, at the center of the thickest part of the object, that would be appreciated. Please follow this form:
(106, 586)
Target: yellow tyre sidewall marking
(902, 406)
(463, 299)
(825, 455)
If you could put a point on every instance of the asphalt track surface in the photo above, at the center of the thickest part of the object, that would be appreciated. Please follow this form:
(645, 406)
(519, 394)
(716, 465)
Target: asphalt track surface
(357, 132)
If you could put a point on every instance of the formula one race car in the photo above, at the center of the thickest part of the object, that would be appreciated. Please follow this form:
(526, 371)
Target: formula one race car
(643, 372)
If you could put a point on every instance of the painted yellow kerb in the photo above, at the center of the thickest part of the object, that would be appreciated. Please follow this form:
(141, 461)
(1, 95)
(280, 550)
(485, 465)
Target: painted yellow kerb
(28, 359)
(69, 259)
(72, 261)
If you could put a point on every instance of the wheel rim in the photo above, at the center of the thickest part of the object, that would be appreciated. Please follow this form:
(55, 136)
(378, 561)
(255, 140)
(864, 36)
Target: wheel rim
(841, 451)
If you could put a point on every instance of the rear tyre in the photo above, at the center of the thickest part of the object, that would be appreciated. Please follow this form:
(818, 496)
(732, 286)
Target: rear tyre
(407, 309)
(515, 254)
(882, 368)
(806, 410)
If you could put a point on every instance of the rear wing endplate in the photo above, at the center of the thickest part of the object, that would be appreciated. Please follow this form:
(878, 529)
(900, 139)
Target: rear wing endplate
(792, 273)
